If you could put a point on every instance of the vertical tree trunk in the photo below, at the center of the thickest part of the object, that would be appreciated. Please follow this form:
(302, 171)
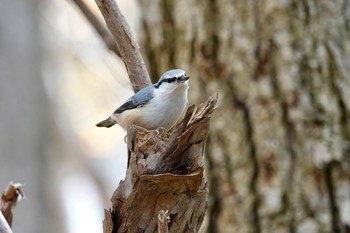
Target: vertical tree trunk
(278, 155)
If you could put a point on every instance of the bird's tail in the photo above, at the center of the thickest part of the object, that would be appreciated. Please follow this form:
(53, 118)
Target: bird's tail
(106, 123)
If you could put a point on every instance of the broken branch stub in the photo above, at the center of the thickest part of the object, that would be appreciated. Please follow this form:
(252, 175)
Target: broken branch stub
(165, 172)
(9, 199)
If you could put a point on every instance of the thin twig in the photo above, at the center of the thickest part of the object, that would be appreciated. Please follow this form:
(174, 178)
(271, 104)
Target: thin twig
(128, 47)
(163, 218)
(99, 27)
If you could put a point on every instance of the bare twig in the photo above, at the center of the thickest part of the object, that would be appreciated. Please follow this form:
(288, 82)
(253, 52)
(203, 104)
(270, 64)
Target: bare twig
(99, 27)
(129, 49)
(163, 218)
(4, 226)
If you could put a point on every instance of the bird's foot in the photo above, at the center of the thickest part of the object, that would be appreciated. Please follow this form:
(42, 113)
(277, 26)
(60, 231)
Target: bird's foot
(162, 132)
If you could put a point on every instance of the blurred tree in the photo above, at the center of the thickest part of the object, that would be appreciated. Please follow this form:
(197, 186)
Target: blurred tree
(278, 153)
(24, 118)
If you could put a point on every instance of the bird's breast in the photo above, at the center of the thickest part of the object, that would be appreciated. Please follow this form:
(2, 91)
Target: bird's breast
(165, 109)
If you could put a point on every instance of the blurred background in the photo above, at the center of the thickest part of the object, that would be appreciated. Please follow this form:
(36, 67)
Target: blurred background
(57, 81)
(278, 155)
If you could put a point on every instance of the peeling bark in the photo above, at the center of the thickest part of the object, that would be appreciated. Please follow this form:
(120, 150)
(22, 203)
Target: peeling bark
(165, 172)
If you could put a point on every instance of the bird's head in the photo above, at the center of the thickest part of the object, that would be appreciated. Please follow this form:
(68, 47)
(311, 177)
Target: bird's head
(172, 79)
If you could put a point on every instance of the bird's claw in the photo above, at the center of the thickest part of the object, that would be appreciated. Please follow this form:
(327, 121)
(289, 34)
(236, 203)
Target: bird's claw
(161, 132)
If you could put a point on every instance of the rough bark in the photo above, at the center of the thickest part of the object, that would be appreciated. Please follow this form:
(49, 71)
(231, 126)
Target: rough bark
(278, 152)
(165, 172)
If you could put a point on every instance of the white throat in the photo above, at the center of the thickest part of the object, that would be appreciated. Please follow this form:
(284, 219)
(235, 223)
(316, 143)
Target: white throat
(168, 88)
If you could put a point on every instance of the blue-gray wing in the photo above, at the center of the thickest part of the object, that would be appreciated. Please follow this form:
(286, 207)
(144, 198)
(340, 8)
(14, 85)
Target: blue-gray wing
(139, 99)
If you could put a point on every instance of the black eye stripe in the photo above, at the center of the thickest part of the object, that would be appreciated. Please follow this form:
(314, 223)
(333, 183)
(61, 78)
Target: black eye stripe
(168, 80)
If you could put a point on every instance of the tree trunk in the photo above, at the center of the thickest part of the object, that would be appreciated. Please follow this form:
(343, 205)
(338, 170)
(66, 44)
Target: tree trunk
(278, 151)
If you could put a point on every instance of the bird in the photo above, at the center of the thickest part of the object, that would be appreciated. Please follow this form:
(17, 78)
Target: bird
(158, 105)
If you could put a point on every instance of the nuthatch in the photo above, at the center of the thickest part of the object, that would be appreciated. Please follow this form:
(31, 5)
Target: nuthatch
(156, 106)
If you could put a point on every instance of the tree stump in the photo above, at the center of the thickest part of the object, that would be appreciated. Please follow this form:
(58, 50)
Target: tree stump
(165, 173)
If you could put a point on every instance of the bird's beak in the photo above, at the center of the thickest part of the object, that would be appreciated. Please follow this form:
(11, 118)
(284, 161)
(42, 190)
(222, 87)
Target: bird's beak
(184, 78)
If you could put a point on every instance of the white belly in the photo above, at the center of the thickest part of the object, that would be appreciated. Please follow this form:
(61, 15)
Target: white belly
(163, 111)
(166, 113)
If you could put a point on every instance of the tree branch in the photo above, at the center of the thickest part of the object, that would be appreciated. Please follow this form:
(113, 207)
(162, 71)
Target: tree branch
(129, 49)
(101, 30)
(9, 199)
(4, 226)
